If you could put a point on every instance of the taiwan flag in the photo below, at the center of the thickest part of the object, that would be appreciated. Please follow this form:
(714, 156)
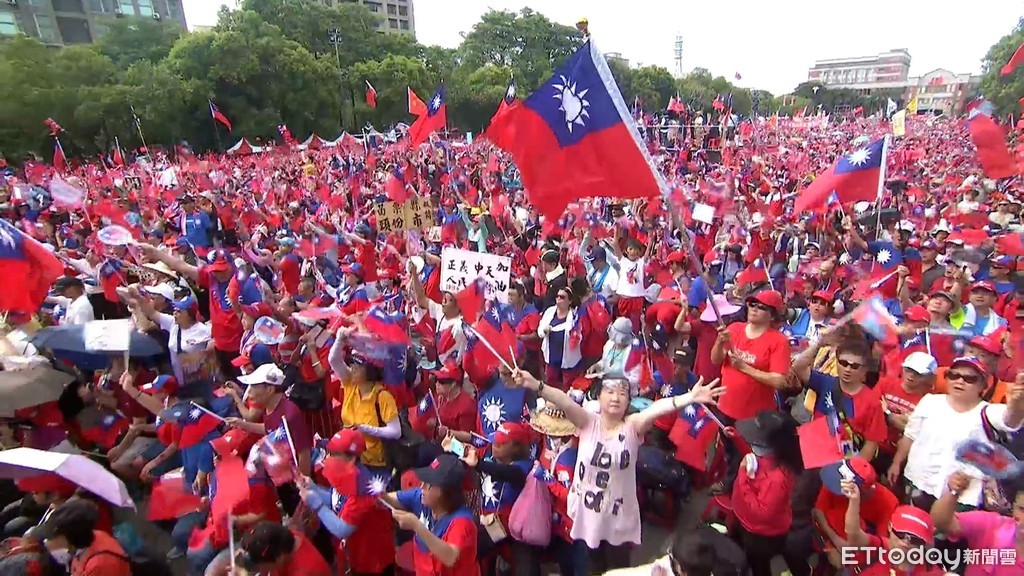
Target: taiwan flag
(35, 267)
(434, 120)
(507, 102)
(574, 138)
(219, 116)
(854, 177)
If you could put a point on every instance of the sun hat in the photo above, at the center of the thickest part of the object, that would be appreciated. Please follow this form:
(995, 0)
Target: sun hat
(551, 421)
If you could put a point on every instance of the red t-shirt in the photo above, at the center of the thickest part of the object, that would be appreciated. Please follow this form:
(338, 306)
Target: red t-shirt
(289, 269)
(368, 552)
(225, 325)
(744, 397)
(761, 503)
(461, 533)
(867, 419)
(306, 560)
(366, 255)
(705, 334)
(897, 401)
(876, 508)
(882, 568)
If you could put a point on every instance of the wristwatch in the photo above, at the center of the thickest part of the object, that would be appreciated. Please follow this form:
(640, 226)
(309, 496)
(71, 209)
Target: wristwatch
(540, 387)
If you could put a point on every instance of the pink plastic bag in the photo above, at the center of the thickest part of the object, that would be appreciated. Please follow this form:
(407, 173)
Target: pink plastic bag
(530, 521)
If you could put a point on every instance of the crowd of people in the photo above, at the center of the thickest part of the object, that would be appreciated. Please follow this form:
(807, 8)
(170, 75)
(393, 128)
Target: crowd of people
(643, 353)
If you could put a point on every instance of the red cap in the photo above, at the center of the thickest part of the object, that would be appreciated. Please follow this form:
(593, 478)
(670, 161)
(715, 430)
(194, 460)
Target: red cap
(917, 313)
(856, 469)
(676, 258)
(984, 285)
(988, 344)
(234, 442)
(450, 371)
(258, 310)
(48, 482)
(348, 441)
(973, 362)
(913, 520)
(512, 432)
(219, 261)
(824, 295)
(769, 298)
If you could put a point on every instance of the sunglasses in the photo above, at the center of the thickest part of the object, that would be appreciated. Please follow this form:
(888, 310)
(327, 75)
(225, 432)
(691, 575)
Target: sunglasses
(561, 297)
(848, 364)
(966, 378)
(910, 539)
(759, 306)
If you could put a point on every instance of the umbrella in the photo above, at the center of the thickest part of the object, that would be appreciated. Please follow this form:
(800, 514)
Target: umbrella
(77, 469)
(78, 339)
(31, 387)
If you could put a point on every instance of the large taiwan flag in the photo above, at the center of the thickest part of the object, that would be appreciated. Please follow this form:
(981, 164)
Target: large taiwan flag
(574, 138)
(33, 266)
(854, 177)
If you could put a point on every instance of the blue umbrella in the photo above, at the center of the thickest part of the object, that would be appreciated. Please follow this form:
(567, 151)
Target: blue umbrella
(71, 339)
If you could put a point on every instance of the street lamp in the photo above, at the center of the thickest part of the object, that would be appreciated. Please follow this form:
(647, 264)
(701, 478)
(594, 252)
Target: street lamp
(334, 37)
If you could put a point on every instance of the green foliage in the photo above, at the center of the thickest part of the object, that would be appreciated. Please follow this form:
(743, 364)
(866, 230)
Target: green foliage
(1004, 91)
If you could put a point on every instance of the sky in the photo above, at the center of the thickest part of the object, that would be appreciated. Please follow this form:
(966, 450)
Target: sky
(770, 44)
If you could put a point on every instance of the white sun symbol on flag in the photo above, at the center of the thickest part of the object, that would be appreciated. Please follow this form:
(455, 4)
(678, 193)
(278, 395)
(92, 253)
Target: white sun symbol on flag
(844, 258)
(573, 105)
(425, 518)
(666, 391)
(859, 157)
(7, 236)
(489, 489)
(884, 256)
(195, 414)
(494, 412)
(511, 92)
(436, 103)
(377, 485)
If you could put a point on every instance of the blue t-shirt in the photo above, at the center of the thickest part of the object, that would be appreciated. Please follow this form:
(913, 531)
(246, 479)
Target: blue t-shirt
(412, 500)
(497, 494)
(556, 343)
(197, 227)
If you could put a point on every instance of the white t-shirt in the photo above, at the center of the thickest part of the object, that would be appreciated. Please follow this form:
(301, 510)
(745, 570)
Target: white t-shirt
(937, 430)
(631, 278)
(194, 339)
(610, 283)
(79, 311)
(436, 313)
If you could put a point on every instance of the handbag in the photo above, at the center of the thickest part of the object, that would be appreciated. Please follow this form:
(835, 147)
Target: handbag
(994, 495)
(399, 454)
(530, 521)
(307, 396)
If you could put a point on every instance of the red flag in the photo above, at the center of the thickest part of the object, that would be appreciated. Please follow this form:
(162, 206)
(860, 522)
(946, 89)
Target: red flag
(434, 120)
(471, 300)
(232, 487)
(169, 500)
(575, 139)
(993, 154)
(118, 157)
(416, 106)
(1016, 60)
(1011, 245)
(507, 102)
(219, 116)
(371, 95)
(35, 268)
(395, 187)
(852, 178)
(60, 161)
(55, 128)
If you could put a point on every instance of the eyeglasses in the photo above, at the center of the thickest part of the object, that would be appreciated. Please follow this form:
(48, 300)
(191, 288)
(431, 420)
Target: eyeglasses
(966, 378)
(851, 365)
(760, 306)
(910, 539)
(561, 297)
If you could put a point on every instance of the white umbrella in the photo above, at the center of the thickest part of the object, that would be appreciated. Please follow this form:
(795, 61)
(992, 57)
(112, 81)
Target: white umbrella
(77, 469)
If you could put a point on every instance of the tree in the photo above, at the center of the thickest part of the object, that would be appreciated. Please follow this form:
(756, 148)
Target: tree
(654, 85)
(390, 77)
(527, 43)
(131, 40)
(1004, 91)
(623, 75)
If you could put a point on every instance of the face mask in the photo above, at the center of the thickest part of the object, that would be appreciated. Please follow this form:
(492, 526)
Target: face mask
(61, 556)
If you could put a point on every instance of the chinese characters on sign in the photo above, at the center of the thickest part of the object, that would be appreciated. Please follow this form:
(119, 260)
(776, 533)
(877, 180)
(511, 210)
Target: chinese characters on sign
(459, 268)
(413, 214)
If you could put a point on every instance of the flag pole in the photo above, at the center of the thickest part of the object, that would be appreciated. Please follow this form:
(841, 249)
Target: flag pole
(216, 129)
(881, 185)
(138, 126)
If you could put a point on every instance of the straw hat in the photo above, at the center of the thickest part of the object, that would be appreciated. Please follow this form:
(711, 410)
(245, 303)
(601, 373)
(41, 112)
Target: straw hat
(551, 421)
(161, 268)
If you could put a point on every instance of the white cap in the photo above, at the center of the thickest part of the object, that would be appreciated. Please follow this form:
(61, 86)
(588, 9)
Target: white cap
(921, 362)
(268, 374)
(164, 290)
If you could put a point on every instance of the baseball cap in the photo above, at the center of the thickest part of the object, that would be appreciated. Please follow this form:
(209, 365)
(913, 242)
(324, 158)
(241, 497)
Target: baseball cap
(257, 356)
(512, 432)
(769, 298)
(856, 469)
(1004, 261)
(971, 362)
(219, 261)
(943, 294)
(445, 470)
(354, 269)
(913, 521)
(66, 282)
(164, 290)
(677, 257)
(257, 310)
(929, 244)
(266, 374)
(824, 295)
(348, 441)
(162, 383)
(450, 371)
(234, 442)
(988, 344)
(921, 362)
(683, 355)
(182, 242)
(984, 285)
(186, 303)
(599, 253)
(917, 313)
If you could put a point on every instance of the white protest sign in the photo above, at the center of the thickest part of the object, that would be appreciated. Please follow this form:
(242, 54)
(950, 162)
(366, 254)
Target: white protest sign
(108, 335)
(459, 268)
(703, 213)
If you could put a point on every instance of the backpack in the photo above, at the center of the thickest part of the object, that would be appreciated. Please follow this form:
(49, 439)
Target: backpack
(658, 469)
